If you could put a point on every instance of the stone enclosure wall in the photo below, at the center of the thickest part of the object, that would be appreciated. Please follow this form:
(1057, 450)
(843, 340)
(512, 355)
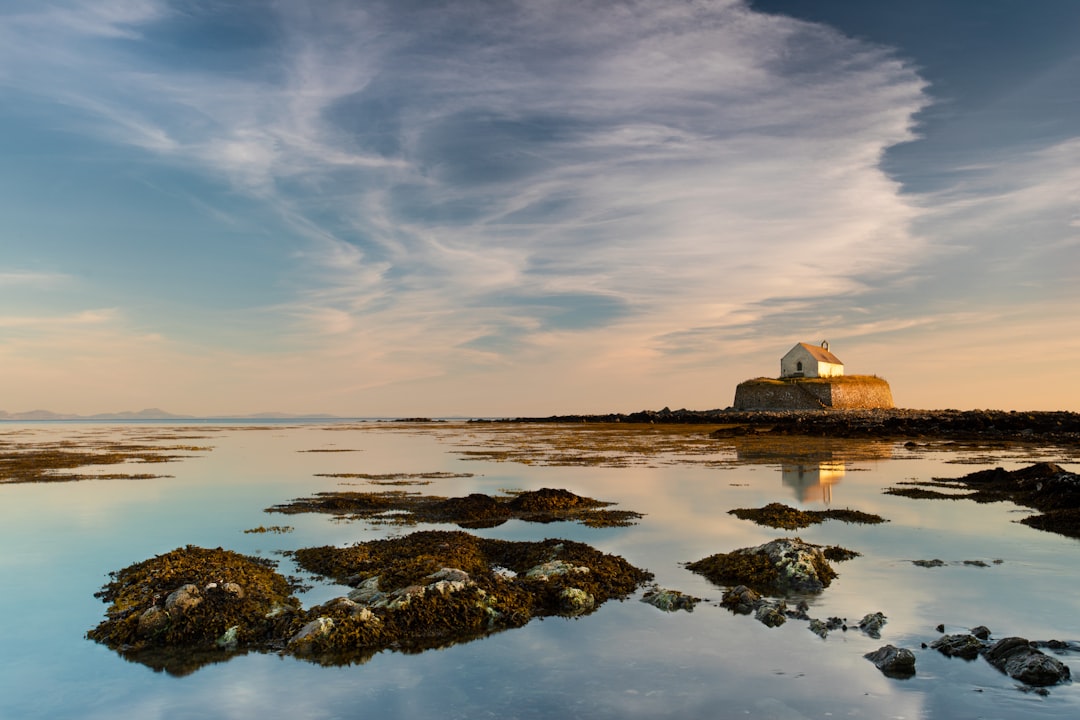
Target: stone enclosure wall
(850, 391)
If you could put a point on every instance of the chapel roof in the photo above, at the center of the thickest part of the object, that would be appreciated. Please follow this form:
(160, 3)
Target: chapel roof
(820, 354)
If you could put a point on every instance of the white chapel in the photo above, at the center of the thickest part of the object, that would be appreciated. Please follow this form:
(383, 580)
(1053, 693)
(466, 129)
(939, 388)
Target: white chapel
(806, 360)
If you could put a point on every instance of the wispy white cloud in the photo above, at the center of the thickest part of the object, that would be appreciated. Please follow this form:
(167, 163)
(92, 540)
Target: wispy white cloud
(1010, 225)
(29, 278)
(107, 18)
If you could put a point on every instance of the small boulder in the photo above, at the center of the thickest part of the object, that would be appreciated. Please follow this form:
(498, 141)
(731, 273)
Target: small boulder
(183, 598)
(367, 592)
(233, 589)
(152, 620)
(402, 597)
(893, 661)
(230, 638)
(314, 629)
(574, 601)
(771, 615)
(450, 575)
(449, 580)
(554, 568)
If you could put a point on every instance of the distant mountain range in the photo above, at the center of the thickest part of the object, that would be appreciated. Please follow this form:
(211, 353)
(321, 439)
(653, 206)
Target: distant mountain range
(149, 414)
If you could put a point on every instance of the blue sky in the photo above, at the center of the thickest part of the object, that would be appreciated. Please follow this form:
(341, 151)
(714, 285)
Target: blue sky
(492, 207)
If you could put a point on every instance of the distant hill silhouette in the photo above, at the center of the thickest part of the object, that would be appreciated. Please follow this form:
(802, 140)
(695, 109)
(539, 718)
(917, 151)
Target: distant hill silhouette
(149, 414)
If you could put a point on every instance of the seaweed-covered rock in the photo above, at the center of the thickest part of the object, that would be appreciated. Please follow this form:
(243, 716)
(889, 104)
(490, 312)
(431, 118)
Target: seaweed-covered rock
(476, 510)
(193, 598)
(184, 598)
(670, 600)
(893, 661)
(367, 592)
(575, 601)
(872, 623)
(317, 628)
(936, 562)
(771, 614)
(961, 645)
(780, 566)
(839, 554)
(778, 515)
(1020, 660)
(741, 600)
(554, 568)
(821, 628)
(434, 588)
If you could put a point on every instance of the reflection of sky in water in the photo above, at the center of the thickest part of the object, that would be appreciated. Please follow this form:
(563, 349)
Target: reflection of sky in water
(627, 660)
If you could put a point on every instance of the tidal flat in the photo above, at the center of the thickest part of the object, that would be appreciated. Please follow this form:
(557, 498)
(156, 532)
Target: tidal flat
(77, 506)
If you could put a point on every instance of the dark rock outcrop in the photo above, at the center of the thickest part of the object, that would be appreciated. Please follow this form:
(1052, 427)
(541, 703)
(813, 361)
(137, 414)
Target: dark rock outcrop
(1046, 487)
(1020, 660)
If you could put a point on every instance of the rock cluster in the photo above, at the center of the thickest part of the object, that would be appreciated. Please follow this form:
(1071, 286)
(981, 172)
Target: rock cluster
(741, 600)
(1046, 487)
(429, 589)
(1017, 657)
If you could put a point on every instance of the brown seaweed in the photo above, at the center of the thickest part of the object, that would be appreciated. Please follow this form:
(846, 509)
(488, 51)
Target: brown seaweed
(778, 515)
(476, 510)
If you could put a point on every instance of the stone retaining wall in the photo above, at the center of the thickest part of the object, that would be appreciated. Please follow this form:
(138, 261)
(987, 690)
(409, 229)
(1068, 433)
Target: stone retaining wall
(816, 394)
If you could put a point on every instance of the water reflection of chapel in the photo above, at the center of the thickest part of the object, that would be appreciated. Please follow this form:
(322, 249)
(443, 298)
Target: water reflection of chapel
(813, 482)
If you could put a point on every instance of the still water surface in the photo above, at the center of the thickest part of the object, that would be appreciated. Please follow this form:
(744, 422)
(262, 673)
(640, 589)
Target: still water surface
(58, 542)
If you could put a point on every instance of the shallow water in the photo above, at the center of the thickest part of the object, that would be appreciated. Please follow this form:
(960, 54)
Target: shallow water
(58, 542)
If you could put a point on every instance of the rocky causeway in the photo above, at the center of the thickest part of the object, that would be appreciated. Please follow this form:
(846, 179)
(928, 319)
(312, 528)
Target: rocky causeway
(1053, 426)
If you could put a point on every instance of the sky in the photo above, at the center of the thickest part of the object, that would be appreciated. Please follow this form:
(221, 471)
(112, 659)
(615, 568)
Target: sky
(493, 207)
